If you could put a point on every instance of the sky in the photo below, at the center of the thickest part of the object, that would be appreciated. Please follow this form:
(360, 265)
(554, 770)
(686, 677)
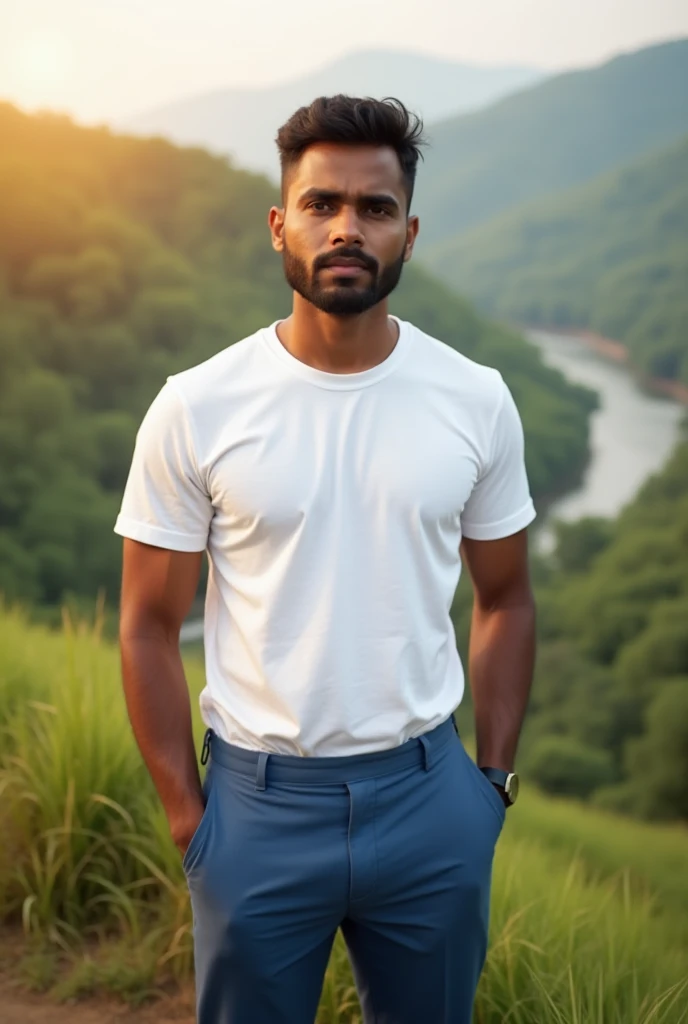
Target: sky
(100, 59)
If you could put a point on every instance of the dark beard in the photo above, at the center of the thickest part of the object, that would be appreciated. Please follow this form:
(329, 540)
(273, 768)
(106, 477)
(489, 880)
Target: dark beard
(347, 299)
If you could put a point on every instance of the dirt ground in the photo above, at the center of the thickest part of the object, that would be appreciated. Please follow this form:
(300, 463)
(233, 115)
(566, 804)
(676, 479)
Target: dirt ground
(19, 1005)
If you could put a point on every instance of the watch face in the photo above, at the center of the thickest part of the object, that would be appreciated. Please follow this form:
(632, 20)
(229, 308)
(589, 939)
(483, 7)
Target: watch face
(512, 786)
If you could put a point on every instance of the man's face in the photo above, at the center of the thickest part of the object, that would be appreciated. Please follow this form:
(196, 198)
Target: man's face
(344, 202)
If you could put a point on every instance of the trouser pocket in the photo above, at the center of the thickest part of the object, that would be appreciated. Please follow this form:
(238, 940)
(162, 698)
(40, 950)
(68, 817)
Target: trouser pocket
(484, 785)
(198, 842)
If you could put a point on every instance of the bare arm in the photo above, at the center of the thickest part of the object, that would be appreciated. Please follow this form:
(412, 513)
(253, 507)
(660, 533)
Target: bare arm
(502, 644)
(158, 587)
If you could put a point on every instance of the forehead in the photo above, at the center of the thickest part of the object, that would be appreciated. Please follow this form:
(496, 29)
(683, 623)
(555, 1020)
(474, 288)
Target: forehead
(357, 170)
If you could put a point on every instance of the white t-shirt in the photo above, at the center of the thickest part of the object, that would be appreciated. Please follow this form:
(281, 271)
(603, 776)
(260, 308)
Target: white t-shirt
(332, 507)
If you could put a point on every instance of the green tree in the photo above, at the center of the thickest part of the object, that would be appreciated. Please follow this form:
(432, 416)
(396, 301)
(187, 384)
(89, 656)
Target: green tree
(613, 644)
(567, 767)
(657, 763)
(579, 543)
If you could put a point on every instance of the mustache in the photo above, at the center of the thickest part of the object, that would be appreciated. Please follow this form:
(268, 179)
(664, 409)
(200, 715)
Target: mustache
(354, 254)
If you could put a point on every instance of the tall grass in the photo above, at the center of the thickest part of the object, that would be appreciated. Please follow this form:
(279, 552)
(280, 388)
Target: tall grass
(86, 862)
(86, 851)
(566, 949)
(655, 859)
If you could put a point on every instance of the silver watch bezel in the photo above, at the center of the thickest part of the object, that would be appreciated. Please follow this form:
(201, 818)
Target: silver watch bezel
(511, 786)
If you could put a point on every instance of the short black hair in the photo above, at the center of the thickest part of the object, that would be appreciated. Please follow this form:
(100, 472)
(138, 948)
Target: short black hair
(354, 121)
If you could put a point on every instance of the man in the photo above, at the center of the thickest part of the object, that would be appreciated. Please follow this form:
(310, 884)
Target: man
(332, 464)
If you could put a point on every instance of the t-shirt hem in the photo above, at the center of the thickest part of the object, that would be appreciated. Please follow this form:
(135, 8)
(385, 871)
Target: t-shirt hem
(504, 528)
(159, 537)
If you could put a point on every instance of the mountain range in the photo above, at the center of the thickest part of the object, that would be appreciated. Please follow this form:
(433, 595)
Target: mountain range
(243, 122)
(549, 137)
(610, 255)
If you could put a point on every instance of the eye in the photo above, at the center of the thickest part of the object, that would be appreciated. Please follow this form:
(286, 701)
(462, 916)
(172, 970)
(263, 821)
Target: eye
(318, 202)
(376, 208)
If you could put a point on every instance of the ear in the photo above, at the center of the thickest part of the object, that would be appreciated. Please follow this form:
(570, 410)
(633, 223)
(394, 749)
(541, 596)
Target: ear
(411, 235)
(276, 225)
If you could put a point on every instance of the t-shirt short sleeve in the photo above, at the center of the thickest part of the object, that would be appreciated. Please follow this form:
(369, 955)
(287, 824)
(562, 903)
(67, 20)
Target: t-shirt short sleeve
(165, 502)
(500, 503)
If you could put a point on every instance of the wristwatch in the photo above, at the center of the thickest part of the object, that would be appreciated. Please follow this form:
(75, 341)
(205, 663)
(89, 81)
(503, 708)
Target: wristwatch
(507, 782)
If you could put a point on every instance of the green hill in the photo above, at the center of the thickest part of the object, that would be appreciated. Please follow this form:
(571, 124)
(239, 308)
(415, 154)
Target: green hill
(558, 134)
(611, 255)
(123, 260)
(608, 716)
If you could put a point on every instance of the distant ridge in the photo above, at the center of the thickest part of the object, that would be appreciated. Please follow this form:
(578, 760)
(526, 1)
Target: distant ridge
(610, 256)
(558, 133)
(243, 122)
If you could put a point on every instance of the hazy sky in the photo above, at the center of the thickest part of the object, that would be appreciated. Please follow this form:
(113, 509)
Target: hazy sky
(107, 58)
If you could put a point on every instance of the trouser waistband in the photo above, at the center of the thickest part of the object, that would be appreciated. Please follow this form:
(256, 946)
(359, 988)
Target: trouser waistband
(289, 768)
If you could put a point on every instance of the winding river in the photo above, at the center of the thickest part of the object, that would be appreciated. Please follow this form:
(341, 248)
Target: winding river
(631, 434)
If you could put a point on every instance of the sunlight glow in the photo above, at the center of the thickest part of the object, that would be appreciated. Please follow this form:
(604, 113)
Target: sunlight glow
(42, 62)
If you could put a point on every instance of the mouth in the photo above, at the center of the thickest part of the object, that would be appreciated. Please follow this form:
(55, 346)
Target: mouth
(346, 269)
(346, 266)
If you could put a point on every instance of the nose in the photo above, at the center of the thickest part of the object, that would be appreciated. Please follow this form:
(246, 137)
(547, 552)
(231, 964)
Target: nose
(345, 228)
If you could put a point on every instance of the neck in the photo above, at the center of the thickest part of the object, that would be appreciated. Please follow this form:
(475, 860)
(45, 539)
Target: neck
(338, 344)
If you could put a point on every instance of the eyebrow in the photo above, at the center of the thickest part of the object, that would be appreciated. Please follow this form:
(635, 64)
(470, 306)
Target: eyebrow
(379, 198)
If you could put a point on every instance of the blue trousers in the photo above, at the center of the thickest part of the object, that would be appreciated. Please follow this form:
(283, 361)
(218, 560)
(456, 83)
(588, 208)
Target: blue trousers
(394, 847)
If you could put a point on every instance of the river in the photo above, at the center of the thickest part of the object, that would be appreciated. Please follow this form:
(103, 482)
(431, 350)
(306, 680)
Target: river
(631, 434)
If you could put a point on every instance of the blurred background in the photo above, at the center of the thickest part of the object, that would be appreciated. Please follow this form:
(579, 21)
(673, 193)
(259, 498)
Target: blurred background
(137, 167)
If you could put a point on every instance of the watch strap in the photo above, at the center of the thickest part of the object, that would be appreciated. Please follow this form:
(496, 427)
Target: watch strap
(496, 775)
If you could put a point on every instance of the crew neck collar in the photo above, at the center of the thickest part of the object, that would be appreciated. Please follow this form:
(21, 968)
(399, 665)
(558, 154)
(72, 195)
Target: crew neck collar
(340, 381)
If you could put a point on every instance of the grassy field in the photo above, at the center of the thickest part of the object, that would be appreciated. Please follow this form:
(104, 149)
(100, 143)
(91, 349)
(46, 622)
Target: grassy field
(589, 912)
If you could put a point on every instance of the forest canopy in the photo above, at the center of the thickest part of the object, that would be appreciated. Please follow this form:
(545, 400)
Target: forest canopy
(609, 712)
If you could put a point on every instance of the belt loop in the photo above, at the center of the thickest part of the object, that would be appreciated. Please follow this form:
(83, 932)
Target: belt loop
(260, 770)
(427, 753)
(205, 752)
